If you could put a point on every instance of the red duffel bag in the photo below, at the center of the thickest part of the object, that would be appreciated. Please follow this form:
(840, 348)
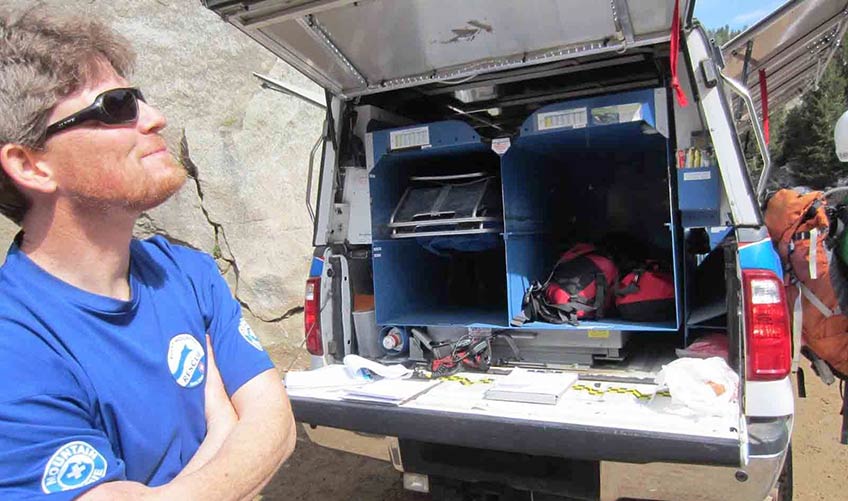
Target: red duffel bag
(646, 294)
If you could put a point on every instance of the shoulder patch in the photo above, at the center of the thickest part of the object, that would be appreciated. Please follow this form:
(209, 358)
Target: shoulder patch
(186, 360)
(74, 465)
(248, 334)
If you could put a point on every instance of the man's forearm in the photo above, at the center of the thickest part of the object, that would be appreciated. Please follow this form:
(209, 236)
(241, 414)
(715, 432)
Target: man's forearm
(216, 434)
(123, 489)
(235, 482)
(246, 462)
(258, 490)
(221, 417)
(258, 444)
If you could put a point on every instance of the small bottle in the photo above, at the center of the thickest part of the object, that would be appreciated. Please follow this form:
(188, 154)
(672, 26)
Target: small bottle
(395, 340)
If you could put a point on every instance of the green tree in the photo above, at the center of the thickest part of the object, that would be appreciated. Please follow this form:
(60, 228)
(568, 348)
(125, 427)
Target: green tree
(804, 140)
(724, 34)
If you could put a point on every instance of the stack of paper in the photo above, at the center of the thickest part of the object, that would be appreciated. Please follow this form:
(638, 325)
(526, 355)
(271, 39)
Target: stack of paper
(356, 371)
(389, 391)
(356, 364)
(330, 376)
(531, 386)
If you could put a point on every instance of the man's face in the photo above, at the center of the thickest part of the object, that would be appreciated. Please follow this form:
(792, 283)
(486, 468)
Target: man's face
(112, 166)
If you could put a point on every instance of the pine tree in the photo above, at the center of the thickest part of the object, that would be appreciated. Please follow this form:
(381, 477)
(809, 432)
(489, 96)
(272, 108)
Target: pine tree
(805, 141)
(822, 108)
(724, 34)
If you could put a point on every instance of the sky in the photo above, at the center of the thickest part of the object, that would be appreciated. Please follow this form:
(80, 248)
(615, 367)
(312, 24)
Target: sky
(737, 13)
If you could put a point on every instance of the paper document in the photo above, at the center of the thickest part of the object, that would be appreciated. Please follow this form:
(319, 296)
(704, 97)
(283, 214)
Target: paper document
(389, 391)
(330, 376)
(356, 371)
(354, 363)
(531, 386)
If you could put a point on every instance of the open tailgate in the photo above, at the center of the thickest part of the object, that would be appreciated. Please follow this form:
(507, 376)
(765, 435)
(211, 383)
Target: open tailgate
(594, 420)
(361, 47)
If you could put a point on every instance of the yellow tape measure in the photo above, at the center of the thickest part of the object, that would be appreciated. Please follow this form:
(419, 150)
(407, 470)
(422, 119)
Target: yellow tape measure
(464, 381)
(597, 392)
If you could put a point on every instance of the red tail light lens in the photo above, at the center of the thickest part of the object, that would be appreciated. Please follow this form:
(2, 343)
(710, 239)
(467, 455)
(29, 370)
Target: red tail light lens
(312, 316)
(767, 325)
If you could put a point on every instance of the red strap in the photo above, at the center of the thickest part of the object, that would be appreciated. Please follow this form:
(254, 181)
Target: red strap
(764, 103)
(578, 250)
(675, 48)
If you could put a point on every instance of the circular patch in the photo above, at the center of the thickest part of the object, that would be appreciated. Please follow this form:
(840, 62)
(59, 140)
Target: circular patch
(186, 360)
(248, 334)
(74, 465)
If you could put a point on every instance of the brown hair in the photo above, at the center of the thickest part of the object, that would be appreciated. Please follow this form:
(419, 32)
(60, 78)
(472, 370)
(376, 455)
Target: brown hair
(43, 58)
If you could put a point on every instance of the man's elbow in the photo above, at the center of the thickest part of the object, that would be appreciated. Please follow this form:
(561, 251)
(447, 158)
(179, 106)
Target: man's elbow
(288, 429)
(290, 439)
(281, 449)
(264, 404)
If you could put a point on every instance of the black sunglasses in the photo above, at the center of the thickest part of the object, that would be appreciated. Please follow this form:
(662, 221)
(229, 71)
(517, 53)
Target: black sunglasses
(113, 107)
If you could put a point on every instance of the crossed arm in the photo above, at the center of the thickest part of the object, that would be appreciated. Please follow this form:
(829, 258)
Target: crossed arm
(248, 438)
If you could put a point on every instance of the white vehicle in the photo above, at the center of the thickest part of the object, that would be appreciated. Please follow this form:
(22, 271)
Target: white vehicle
(464, 142)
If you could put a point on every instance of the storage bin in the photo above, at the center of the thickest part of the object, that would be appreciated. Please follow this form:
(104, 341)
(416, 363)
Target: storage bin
(415, 286)
(699, 196)
(429, 271)
(367, 334)
(565, 185)
(413, 167)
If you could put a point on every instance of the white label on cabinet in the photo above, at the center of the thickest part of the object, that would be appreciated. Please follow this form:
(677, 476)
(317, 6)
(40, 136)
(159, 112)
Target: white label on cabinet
(500, 145)
(563, 119)
(697, 176)
(409, 138)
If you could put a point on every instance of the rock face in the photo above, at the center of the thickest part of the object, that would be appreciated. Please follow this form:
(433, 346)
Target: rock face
(250, 148)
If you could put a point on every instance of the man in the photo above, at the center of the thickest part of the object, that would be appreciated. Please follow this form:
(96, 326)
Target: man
(126, 369)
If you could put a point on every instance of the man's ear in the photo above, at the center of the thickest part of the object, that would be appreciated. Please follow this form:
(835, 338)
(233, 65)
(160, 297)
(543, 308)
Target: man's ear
(27, 169)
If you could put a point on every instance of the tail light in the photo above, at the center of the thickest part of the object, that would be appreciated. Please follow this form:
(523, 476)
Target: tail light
(767, 326)
(312, 316)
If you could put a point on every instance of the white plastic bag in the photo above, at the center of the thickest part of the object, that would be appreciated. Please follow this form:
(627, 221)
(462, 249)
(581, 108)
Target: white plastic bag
(705, 386)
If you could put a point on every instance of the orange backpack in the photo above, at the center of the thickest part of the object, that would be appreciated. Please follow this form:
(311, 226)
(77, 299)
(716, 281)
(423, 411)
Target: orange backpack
(798, 225)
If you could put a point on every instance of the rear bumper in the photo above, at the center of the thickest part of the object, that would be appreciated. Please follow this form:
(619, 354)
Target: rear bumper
(508, 435)
(616, 480)
(630, 464)
(768, 443)
(664, 481)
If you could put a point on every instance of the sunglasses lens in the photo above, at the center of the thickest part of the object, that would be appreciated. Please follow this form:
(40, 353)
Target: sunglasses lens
(120, 106)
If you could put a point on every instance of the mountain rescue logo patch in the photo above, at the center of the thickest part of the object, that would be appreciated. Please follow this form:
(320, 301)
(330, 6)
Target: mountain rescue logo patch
(248, 334)
(74, 465)
(186, 360)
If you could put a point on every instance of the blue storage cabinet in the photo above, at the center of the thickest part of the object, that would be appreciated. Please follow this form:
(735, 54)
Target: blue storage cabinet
(416, 286)
(578, 171)
(577, 174)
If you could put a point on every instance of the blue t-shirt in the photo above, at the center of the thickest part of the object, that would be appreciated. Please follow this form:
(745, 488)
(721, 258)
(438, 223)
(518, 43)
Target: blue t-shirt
(94, 389)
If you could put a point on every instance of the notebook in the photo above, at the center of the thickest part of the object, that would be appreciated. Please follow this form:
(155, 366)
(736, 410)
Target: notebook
(531, 386)
(389, 391)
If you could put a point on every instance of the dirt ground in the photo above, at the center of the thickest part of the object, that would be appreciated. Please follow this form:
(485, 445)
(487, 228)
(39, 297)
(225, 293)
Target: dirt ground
(821, 462)
(315, 473)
